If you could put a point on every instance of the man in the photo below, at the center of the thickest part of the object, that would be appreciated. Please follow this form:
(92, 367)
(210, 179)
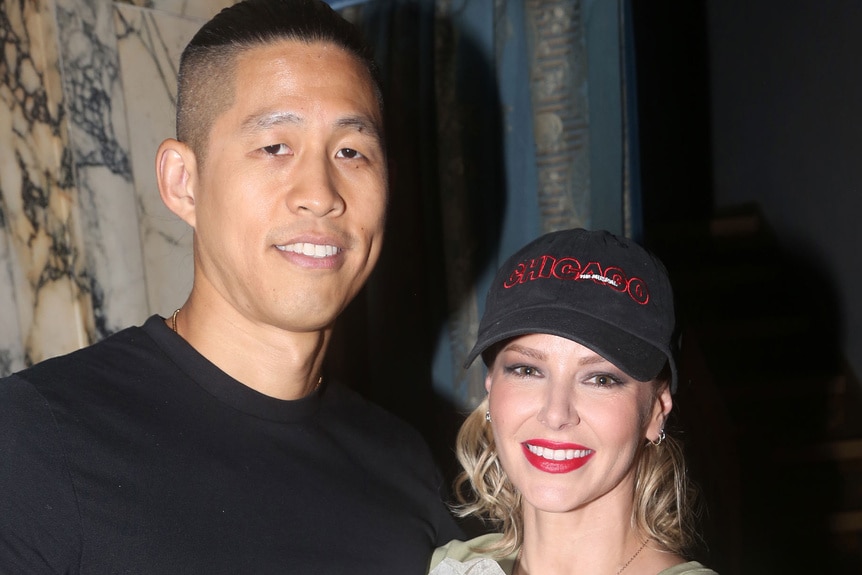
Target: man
(207, 442)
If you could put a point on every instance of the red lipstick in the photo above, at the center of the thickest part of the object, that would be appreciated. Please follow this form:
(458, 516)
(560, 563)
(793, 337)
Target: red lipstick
(555, 457)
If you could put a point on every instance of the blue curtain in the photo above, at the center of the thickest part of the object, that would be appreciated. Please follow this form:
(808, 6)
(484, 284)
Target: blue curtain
(505, 119)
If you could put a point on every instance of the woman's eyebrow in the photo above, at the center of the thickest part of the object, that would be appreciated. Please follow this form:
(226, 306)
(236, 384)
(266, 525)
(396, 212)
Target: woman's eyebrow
(592, 359)
(528, 351)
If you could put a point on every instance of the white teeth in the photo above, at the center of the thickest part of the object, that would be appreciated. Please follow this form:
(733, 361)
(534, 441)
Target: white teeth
(312, 250)
(558, 454)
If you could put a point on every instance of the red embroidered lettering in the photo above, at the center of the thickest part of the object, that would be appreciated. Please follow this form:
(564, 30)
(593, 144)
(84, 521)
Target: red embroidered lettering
(516, 277)
(638, 290)
(617, 277)
(567, 269)
(547, 266)
(592, 271)
(535, 268)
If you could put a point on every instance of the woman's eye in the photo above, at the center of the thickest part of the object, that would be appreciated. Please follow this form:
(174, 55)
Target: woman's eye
(276, 149)
(348, 154)
(523, 371)
(604, 380)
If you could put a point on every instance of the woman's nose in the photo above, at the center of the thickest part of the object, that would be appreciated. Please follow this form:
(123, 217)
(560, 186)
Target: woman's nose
(558, 407)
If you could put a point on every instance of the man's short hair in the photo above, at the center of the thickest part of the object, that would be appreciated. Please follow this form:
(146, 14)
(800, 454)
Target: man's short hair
(208, 63)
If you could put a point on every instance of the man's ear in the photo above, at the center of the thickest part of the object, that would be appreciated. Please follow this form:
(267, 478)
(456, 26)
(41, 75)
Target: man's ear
(177, 175)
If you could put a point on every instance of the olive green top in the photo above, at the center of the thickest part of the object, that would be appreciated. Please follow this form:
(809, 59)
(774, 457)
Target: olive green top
(461, 551)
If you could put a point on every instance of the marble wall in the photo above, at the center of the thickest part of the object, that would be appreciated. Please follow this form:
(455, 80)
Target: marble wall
(86, 246)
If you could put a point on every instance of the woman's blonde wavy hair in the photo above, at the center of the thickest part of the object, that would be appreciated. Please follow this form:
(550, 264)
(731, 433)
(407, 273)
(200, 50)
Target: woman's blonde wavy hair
(664, 497)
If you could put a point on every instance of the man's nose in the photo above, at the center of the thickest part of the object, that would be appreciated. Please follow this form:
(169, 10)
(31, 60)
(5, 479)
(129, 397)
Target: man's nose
(315, 189)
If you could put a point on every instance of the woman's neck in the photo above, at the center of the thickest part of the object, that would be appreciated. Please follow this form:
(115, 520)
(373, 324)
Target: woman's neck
(597, 539)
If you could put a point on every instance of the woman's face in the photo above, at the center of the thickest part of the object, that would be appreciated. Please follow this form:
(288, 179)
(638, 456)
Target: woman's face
(568, 424)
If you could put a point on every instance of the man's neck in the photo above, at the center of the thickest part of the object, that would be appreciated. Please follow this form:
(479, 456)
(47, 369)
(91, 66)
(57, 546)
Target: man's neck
(274, 362)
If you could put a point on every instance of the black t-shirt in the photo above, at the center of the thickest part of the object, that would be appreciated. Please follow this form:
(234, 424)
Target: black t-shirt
(137, 455)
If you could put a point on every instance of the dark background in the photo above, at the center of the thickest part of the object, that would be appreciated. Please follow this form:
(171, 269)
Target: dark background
(750, 126)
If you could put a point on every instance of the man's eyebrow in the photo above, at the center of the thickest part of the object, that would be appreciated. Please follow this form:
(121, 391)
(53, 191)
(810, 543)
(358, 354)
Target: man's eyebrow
(360, 124)
(261, 122)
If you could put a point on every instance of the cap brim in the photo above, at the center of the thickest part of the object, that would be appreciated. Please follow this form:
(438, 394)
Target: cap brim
(637, 358)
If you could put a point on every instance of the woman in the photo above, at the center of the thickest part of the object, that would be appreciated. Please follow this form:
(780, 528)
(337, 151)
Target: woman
(568, 453)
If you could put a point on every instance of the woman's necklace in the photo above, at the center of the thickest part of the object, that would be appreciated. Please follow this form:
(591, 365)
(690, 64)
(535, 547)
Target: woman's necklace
(517, 569)
(632, 558)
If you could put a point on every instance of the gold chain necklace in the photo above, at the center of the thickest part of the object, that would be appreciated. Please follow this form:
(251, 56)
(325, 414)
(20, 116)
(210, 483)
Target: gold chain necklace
(174, 320)
(632, 558)
(627, 563)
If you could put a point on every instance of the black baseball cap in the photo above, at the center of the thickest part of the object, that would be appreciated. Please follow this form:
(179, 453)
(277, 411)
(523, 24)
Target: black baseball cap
(598, 289)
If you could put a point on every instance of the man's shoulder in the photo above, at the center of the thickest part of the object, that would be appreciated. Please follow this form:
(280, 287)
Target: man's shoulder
(124, 351)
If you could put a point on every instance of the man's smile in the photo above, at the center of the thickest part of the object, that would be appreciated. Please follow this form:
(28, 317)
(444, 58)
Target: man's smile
(308, 249)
